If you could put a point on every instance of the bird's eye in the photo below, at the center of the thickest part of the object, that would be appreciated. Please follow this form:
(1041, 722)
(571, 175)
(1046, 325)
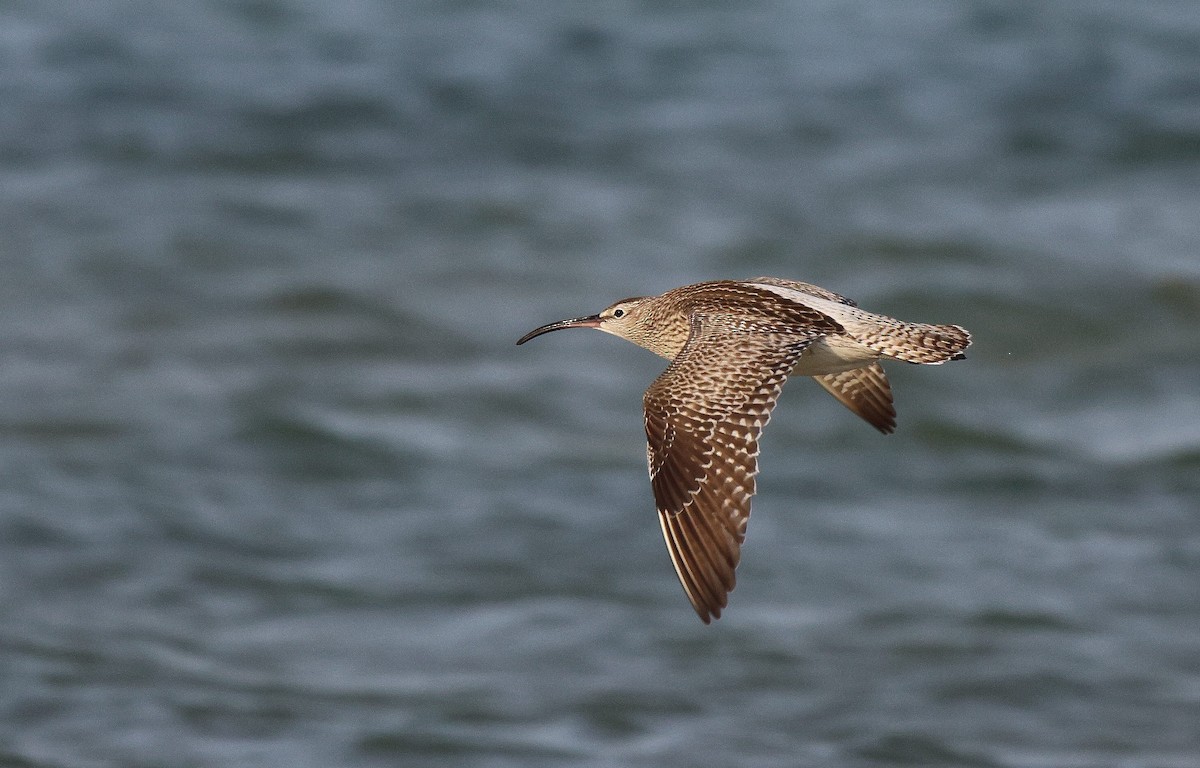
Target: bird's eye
(618, 313)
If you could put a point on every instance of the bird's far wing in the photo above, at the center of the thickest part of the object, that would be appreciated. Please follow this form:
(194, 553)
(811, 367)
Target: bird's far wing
(866, 392)
(809, 288)
(704, 416)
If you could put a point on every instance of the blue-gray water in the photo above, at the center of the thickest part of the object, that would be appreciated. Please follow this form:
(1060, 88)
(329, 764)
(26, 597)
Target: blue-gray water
(278, 490)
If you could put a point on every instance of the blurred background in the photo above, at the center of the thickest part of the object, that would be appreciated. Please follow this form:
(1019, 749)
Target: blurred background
(278, 490)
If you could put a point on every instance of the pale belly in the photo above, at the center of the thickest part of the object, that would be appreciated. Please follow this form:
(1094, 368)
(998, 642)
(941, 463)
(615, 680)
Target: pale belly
(833, 355)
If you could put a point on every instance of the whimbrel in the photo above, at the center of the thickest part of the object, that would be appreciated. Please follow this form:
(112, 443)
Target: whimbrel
(732, 344)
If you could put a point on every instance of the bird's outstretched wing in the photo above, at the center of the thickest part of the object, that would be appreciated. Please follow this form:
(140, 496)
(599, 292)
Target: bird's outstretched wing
(866, 392)
(704, 416)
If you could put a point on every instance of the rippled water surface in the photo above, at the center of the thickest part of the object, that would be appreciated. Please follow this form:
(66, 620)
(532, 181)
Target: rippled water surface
(279, 490)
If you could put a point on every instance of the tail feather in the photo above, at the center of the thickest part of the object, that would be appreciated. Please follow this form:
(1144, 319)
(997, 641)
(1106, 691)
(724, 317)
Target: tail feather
(919, 342)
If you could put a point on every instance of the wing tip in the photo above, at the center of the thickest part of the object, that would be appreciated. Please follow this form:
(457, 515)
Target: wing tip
(866, 393)
(707, 597)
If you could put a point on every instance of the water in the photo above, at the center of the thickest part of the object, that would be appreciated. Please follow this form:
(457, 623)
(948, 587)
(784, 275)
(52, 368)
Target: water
(280, 491)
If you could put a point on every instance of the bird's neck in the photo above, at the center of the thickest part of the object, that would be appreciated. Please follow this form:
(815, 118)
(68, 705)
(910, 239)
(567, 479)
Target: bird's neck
(663, 333)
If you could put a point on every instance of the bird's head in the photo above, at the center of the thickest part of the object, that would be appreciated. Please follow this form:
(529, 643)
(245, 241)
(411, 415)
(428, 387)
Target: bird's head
(625, 318)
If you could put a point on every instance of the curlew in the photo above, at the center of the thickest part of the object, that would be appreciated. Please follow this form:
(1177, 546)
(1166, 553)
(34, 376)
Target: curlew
(731, 345)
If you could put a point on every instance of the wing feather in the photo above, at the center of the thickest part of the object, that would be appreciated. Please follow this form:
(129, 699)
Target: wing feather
(704, 416)
(866, 392)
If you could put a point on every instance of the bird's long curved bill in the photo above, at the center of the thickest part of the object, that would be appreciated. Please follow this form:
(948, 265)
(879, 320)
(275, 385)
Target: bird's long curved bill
(591, 321)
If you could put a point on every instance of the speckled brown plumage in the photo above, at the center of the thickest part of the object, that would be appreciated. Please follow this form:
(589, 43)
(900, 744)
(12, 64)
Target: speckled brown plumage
(732, 345)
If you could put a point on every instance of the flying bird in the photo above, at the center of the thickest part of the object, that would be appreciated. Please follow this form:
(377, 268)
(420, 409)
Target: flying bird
(731, 346)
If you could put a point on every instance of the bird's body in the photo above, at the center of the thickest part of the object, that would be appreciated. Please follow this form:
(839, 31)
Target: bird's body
(732, 344)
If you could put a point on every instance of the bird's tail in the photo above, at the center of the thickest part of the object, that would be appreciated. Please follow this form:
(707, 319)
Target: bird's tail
(919, 342)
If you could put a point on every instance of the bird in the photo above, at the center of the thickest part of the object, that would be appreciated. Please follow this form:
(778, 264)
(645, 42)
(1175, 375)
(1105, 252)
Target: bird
(731, 345)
